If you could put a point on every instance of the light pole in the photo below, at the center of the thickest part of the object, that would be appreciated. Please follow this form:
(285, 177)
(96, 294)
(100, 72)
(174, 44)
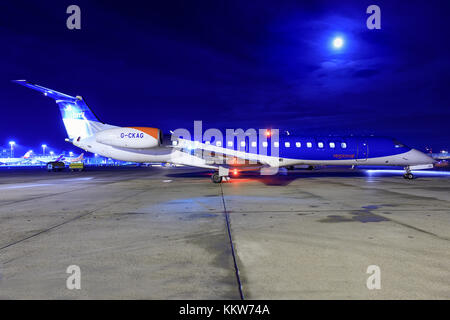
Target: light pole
(12, 144)
(43, 149)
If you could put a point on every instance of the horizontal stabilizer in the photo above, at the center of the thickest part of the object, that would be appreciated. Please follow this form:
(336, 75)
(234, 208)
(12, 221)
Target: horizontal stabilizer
(47, 92)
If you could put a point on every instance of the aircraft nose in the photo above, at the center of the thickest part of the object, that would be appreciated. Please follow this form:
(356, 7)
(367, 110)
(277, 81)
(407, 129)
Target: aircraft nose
(421, 158)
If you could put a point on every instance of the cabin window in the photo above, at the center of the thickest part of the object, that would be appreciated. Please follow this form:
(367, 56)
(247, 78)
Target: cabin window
(265, 144)
(309, 144)
(320, 144)
(219, 143)
(242, 143)
(343, 145)
(276, 144)
(230, 143)
(254, 144)
(332, 145)
(287, 144)
(298, 144)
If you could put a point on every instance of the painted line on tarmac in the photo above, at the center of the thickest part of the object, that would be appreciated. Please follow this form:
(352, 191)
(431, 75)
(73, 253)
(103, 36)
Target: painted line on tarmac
(47, 230)
(233, 253)
(26, 186)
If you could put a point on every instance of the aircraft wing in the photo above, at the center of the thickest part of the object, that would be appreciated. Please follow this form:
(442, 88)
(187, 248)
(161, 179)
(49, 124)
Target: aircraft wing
(271, 161)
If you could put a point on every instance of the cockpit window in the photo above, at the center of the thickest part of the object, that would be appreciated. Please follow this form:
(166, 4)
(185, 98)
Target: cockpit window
(398, 144)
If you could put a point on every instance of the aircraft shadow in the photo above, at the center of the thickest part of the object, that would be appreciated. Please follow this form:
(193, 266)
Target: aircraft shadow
(280, 179)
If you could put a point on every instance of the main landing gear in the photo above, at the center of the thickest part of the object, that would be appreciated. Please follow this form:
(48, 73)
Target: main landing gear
(216, 178)
(408, 174)
(220, 175)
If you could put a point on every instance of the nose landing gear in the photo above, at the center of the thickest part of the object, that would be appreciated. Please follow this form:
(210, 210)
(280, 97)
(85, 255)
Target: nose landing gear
(408, 174)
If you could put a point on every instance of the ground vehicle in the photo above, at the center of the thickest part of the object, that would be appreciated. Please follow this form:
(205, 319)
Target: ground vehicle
(76, 166)
(56, 166)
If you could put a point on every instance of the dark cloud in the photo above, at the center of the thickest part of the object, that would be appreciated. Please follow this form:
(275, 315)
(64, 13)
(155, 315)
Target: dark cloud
(365, 73)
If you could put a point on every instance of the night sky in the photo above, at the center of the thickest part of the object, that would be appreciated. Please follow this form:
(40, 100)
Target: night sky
(232, 64)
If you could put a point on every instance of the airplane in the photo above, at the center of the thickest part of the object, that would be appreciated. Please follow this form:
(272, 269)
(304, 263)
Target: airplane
(60, 158)
(73, 159)
(46, 159)
(9, 161)
(443, 155)
(273, 151)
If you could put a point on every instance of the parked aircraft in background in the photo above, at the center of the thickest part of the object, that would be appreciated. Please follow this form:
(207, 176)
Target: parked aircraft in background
(443, 155)
(73, 159)
(145, 144)
(62, 158)
(45, 159)
(10, 161)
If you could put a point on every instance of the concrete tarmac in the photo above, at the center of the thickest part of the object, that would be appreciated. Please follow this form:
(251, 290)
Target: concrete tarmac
(161, 233)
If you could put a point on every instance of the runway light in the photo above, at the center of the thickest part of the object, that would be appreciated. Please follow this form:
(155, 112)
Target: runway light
(235, 172)
(338, 42)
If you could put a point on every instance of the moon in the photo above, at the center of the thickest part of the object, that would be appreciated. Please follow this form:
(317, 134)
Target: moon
(338, 42)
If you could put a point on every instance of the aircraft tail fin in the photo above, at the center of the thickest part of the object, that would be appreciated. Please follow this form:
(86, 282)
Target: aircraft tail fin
(28, 154)
(78, 159)
(78, 118)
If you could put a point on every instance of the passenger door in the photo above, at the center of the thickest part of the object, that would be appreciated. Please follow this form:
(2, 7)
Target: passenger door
(362, 151)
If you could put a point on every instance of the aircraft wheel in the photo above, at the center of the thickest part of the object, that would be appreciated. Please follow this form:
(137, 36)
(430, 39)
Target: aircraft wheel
(408, 176)
(216, 178)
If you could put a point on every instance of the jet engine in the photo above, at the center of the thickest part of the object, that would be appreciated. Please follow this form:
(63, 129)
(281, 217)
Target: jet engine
(130, 137)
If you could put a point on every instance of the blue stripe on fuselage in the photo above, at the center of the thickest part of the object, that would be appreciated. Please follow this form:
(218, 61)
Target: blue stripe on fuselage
(344, 148)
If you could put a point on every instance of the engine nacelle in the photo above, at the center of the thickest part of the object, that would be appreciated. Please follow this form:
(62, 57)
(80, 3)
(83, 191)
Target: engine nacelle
(132, 137)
